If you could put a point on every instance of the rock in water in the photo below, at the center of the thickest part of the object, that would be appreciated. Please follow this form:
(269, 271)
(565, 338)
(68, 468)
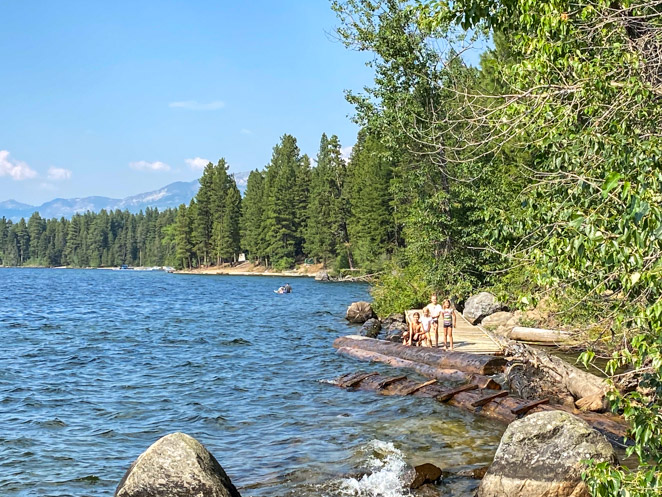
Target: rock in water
(176, 465)
(359, 312)
(480, 306)
(371, 328)
(322, 276)
(541, 455)
(425, 473)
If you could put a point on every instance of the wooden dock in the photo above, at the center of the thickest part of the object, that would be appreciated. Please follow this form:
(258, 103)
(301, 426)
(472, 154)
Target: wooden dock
(471, 339)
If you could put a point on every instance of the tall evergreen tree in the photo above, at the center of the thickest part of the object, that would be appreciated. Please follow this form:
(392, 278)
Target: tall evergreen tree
(252, 217)
(282, 232)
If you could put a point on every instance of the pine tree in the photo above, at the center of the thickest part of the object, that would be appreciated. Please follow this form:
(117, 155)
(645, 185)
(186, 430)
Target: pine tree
(183, 237)
(280, 220)
(252, 217)
(371, 223)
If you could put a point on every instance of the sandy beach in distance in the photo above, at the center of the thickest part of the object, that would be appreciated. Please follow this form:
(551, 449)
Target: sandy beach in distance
(250, 269)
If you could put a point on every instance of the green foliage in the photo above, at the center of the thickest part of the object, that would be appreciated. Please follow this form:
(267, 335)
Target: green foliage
(584, 106)
(88, 240)
(400, 288)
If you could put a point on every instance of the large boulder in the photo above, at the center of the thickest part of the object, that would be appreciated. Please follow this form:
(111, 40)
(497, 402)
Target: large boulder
(394, 331)
(176, 465)
(480, 306)
(371, 328)
(497, 319)
(393, 318)
(359, 312)
(322, 276)
(541, 455)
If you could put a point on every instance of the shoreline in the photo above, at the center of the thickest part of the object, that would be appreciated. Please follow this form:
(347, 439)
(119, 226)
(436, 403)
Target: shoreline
(250, 269)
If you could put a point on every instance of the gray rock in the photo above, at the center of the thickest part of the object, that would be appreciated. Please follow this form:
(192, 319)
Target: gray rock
(176, 465)
(497, 319)
(393, 318)
(541, 455)
(480, 306)
(371, 328)
(359, 312)
(322, 276)
(394, 331)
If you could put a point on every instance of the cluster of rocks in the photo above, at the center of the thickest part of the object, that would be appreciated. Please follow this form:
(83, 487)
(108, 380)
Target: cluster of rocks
(389, 328)
(541, 454)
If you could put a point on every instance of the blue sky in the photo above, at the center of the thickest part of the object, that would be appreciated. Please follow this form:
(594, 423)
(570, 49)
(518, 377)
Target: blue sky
(117, 98)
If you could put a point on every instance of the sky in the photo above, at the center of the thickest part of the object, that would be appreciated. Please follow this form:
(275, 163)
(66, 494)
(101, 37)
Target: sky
(123, 97)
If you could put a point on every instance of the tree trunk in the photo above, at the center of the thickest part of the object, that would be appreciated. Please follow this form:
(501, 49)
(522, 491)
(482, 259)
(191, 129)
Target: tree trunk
(534, 373)
(469, 363)
(538, 335)
(452, 375)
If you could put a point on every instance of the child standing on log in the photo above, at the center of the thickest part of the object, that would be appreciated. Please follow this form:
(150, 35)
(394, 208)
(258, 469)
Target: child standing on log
(448, 316)
(426, 323)
(435, 311)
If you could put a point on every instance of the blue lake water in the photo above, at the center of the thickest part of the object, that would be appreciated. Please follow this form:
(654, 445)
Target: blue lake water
(97, 365)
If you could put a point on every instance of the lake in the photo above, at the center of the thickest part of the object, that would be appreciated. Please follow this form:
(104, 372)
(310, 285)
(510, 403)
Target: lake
(97, 365)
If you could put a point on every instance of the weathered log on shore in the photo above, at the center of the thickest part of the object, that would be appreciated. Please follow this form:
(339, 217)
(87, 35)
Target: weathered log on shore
(446, 375)
(442, 359)
(539, 335)
(536, 374)
(501, 408)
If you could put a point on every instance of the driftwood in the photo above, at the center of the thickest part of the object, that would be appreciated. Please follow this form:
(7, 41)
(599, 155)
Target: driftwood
(442, 359)
(535, 374)
(538, 335)
(447, 375)
(501, 408)
(525, 408)
(449, 394)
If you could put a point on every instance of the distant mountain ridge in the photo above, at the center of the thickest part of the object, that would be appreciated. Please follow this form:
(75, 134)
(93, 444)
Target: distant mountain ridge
(170, 196)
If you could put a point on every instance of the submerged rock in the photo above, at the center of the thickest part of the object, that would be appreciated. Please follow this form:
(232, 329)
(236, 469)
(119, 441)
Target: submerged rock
(371, 328)
(541, 455)
(359, 312)
(480, 306)
(176, 465)
(425, 473)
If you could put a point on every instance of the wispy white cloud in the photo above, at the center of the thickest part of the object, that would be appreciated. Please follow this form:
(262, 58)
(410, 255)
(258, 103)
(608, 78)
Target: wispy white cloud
(195, 105)
(197, 164)
(346, 152)
(245, 131)
(16, 169)
(143, 165)
(58, 173)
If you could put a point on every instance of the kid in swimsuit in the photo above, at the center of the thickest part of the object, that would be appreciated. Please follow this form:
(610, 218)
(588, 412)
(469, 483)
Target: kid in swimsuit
(448, 316)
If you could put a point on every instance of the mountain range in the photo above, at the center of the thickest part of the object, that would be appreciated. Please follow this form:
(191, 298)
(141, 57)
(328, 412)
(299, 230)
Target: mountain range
(170, 196)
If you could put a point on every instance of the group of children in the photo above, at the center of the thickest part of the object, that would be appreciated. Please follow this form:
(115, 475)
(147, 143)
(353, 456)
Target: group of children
(423, 329)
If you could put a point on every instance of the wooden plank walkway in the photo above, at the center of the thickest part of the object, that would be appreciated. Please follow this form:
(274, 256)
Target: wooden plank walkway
(470, 338)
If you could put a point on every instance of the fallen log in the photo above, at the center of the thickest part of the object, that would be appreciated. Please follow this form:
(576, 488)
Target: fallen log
(501, 408)
(539, 335)
(535, 374)
(446, 375)
(442, 359)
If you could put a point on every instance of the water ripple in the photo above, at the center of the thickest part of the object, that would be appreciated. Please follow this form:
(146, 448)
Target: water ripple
(97, 365)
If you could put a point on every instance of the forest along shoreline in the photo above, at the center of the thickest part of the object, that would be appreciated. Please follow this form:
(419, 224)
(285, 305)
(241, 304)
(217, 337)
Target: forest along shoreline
(556, 414)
